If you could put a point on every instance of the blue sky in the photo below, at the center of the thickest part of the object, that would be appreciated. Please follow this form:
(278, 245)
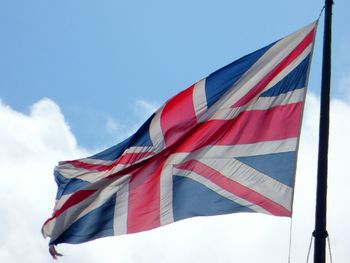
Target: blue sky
(78, 76)
(95, 58)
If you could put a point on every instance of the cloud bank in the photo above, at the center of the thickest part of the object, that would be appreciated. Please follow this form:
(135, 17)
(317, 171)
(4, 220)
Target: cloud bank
(32, 144)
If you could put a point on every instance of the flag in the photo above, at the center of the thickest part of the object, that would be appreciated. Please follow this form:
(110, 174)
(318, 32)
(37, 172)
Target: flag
(226, 144)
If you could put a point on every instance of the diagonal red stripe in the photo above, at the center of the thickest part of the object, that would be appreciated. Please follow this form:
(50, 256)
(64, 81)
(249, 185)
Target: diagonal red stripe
(91, 166)
(276, 70)
(126, 158)
(74, 199)
(234, 187)
(130, 158)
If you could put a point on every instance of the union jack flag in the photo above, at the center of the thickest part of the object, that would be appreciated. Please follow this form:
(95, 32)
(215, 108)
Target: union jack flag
(226, 144)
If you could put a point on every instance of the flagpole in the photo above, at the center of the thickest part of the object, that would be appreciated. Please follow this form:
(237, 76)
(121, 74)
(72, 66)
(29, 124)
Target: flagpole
(320, 234)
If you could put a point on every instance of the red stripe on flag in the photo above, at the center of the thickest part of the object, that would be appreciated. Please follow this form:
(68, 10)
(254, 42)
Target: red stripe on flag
(129, 158)
(126, 158)
(178, 116)
(234, 187)
(91, 166)
(74, 199)
(144, 197)
(276, 70)
(278, 123)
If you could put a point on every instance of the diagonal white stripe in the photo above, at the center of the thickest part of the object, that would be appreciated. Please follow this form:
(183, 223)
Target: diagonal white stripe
(262, 103)
(259, 70)
(289, 68)
(139, 149)
(209, 184)
(106, 188)
(90, 161)
(253, 179)
(212, 152)
(69, 171)
(232, 151)
(81, 173)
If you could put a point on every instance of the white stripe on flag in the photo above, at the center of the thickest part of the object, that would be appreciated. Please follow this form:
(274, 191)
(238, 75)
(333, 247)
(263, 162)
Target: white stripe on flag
(166, 187)
(139, 149)
(90, 160)
(121, 209)
(199, 98)
(198, 178)
(253, 179)
(289, 68)
(107, 187)
(81, 173)
(239, 150)
(262, 103)
(259, 70)
(156, 132)
(166, 195)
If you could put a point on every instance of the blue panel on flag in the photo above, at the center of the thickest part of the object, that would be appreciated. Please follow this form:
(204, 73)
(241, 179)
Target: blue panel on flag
(279, 166)
(217, 83)
(296, 79)
(66, 185)
(113, 152)
(96, 224)
(191, 198)
(142, 137)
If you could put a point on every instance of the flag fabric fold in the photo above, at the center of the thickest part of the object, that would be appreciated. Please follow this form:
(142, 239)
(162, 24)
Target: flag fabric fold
(226, 144)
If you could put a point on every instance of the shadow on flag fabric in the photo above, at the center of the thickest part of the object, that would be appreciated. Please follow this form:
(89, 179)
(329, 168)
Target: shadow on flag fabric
(226, 144)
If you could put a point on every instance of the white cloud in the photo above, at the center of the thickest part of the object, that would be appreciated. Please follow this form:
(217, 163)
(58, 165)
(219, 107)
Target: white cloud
(32, 144)
(30, 147)
(344, 84)
(43, 128)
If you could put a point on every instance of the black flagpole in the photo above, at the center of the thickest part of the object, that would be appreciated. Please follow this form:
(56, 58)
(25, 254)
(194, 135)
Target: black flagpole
(320, 232)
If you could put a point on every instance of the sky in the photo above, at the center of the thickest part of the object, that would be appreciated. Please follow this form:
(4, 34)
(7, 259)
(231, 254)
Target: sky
(79, 76)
